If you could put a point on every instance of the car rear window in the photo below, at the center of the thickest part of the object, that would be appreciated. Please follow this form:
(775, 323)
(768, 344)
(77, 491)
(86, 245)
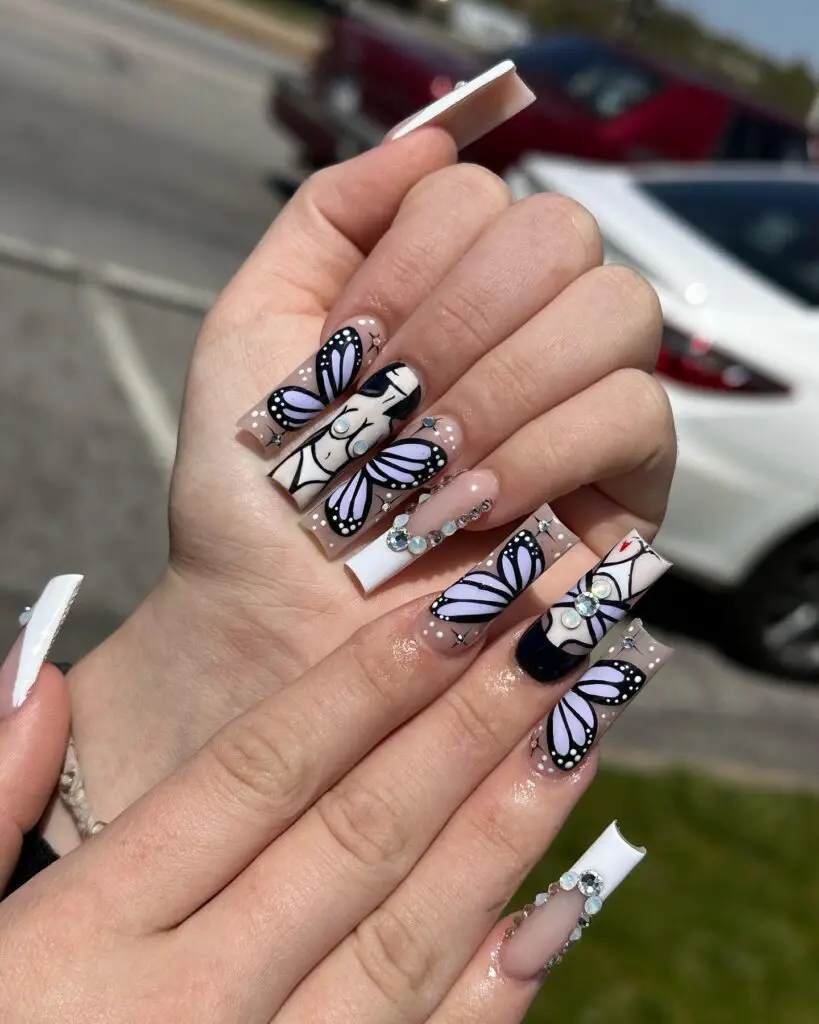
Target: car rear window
(604, 83)
(752, 136)
(771, 226)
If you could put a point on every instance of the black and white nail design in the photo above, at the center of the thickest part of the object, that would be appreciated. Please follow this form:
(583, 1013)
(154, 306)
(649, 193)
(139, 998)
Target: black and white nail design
(384, 400)
(573, 627)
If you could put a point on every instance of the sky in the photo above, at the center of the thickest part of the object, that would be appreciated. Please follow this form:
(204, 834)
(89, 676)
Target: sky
(786, 29)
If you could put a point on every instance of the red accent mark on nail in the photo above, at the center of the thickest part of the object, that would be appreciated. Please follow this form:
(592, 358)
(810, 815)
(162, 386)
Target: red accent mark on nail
(626, 544)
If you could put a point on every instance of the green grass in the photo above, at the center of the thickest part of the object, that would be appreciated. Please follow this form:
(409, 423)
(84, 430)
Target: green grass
(298, 11)
(720, 924)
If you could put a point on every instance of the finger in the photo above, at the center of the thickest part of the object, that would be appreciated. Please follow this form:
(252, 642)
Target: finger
(325, 232)
(507, 972)
(400, 961)
(34, 714)
(184, 841)
(366, 834)
(437, 222)
(517, 377)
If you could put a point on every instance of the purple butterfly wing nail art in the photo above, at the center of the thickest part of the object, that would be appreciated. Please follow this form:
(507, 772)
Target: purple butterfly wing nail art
(338, 363)
(349, 505)
(482, 595)
(571, 730)
(292, 407)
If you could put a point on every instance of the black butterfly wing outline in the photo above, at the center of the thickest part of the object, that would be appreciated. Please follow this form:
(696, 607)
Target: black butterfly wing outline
(348, 507)
(338, 363)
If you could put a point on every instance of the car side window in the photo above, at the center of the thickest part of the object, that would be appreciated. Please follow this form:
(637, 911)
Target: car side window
(601, 81)
(751, 136)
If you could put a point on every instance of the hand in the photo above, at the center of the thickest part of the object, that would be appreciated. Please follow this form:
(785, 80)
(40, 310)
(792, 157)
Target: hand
(541, 356)
(338, 853)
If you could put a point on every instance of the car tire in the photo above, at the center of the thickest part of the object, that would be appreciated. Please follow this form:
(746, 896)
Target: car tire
(772, 620)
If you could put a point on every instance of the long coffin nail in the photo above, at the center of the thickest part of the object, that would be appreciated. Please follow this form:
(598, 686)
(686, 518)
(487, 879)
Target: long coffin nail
(317, 383)
(560, 640)
(545, 931)
(415, 532)
(387, 398)
(462, 614)
(427, 449)
(586, 713)
(473, 108)
(41, 624)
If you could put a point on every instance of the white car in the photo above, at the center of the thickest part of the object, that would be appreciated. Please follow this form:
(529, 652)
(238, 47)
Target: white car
(733, 252)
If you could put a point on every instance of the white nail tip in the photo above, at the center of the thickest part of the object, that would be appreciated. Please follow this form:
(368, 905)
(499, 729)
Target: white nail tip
(47, 616)
(377, 563)
(612, 856)
(474, 108)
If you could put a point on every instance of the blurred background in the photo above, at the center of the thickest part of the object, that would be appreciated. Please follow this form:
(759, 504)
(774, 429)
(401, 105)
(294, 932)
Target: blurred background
(145, 147)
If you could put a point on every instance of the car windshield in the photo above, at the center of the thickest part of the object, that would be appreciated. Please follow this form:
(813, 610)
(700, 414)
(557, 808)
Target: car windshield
(771, 226)
(604, 83)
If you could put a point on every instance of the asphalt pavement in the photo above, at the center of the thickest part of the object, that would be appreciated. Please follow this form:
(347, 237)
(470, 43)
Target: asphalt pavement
(135, 157)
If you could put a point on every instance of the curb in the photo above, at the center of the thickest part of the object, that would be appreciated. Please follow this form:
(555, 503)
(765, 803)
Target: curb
(247, 23)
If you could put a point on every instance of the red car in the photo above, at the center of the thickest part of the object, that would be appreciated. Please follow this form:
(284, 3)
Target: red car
(595, 100)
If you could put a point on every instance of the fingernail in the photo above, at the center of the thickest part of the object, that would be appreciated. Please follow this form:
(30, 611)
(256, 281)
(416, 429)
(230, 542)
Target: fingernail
(317, 383)
(473, 108)
(545, 931)
(560, 640)
(415, 532)
(386, 399)
(586, 713)
(426, 449)
(464, 611)
(42, 624)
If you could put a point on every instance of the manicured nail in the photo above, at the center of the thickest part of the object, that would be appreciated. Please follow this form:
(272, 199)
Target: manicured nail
(592, 706)
(463, 613)
(426, 449)
(545, 931)
(317, 383)
(41, 625)
(560, 640)
(387, 398)
(473, 108)
(423, 527)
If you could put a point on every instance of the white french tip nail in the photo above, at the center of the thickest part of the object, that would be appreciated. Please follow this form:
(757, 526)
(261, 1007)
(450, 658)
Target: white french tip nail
(45, 620)
(612, 856)
(373, 565)
(474, 108)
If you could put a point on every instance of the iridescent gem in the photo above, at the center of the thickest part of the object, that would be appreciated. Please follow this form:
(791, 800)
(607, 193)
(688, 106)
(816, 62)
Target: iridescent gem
(341, 427)
(587, 605)
(435, 537)
(590, 884)
(25, 616)
(475, 515)
(462, 520)
(541, 899)
(568, 881)
(576, 935)
(449, 528)
(486, 505)
(360, 447)
(385, 506)
(570, 618)
(418, 545)
(544, 524)
(397, 540)
(424, 498)
(429, 422)
(628, 642)
(601, 587)
(593, 905)
(401, 521)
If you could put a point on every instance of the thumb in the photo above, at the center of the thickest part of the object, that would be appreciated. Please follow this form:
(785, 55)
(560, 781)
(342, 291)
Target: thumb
(34, 720)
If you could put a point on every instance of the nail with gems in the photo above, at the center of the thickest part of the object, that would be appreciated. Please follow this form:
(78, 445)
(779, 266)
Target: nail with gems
(426, 451)
(543, 932)
(457, 501)
(315, 385)
(585, 714)
(475, 600)
(574, 625)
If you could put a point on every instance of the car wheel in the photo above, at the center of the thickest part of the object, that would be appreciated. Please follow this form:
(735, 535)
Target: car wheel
(773, 618)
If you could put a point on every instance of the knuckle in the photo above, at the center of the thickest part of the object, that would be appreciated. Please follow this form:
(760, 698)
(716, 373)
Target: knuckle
(262, 765)
(567, 222)
(472, 724)
(373, 674)
(647, 400)
(494, 833)
(370, 826)
(463, 312)
(470, 183)
(394, 957)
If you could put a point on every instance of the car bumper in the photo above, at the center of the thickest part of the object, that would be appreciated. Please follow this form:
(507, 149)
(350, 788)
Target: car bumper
(296, 107)
(732, 501)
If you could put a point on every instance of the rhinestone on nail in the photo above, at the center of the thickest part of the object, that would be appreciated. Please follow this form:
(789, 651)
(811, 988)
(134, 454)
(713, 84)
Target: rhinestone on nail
(601, 587)
(568, 881)
(449, 528)
(397, 540)
(418, 545)
(341, 427)
(571, 619)
(587, 605)
(360, 447)
(593, 905)
(590, 883)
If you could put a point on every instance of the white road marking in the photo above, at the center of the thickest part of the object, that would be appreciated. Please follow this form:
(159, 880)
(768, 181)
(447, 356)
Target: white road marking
(141, 390)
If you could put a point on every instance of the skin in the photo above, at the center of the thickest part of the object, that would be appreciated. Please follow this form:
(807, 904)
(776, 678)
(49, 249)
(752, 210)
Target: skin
(272, 876)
